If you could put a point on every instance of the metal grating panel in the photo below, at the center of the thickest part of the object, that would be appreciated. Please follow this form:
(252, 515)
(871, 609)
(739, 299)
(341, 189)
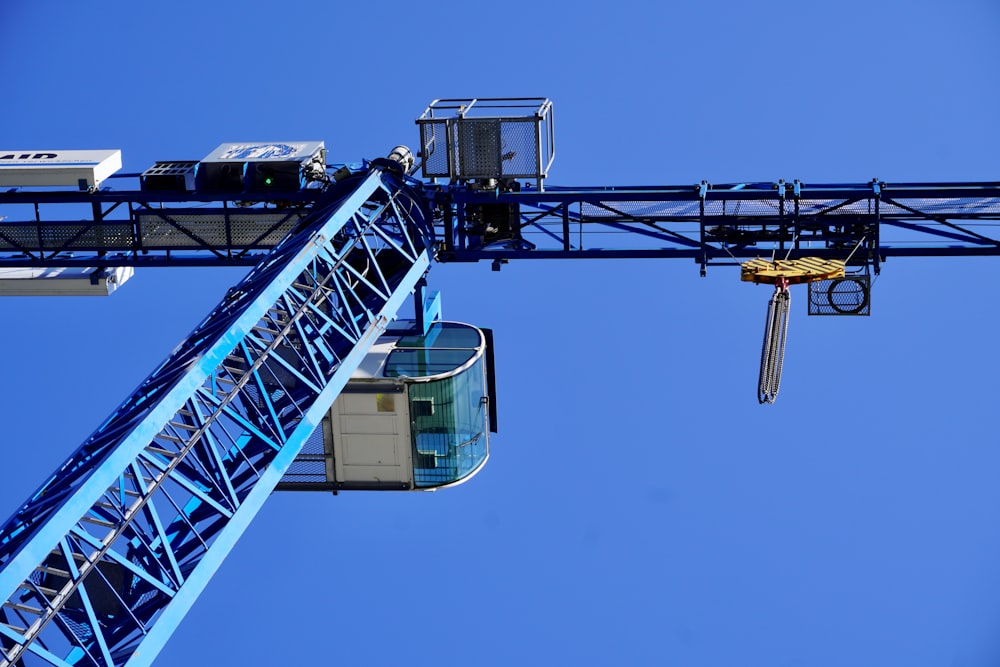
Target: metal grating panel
(170, 169)
(746, 207)
(640, 209)
(262, 232)
(18, 236)
(187, 234)
(309, 465)
(88, 235)
(169, 176)
(479, 148)
(434, 148)
(850, 295)
(968, 205)
(519, 148)
(172, 230)
(483, 138)
(82, 236)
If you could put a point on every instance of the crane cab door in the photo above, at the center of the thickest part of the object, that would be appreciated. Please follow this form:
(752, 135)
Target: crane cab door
(370, 425)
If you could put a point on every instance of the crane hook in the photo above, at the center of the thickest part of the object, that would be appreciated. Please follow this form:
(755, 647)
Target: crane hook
(782, 273)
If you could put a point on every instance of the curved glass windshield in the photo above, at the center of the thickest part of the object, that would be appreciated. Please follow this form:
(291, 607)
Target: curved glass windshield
(446, 347)
(449, 425)
(449, 416)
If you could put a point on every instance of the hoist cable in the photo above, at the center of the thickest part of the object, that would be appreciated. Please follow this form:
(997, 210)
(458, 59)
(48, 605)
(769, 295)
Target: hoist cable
(855, 249)
(791, 247)
(772, 353)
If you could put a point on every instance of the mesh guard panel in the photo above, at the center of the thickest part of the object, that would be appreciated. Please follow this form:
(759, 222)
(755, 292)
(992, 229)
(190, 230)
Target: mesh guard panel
(850, 295)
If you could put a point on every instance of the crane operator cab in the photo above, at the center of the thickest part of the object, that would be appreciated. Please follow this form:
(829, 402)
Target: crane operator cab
(415, 415)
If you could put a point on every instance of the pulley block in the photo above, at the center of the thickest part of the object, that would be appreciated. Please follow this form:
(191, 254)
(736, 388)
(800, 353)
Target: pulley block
(791, 271)
(781, 273)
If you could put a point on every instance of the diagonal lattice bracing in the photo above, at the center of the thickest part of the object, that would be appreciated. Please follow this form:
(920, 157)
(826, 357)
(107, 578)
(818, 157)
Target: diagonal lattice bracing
(716, 225)
(703, 221)
(98, 566)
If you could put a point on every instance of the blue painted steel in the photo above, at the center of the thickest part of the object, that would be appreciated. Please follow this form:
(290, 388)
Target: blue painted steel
(712, 224)
(102, 562)
(431, 310)
(721, 224)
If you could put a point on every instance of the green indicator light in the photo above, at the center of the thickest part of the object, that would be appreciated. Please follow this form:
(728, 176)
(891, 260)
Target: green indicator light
(268, 180)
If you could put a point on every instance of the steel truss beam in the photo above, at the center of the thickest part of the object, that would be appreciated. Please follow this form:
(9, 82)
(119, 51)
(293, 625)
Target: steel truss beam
(133, 228)
(720, 225)
(711, 225)
(99, 566)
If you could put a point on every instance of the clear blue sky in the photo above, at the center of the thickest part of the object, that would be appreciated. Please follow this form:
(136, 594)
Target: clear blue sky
(640, 507)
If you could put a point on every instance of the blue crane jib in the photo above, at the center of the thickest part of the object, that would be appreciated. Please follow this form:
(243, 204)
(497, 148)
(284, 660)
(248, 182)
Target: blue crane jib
(99, 565)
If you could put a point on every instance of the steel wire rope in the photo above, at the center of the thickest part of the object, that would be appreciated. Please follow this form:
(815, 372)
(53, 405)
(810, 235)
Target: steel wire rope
(772, 352)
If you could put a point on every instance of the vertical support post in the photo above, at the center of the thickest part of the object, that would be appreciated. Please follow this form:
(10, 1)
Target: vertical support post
(877, 193)
(796, 195)
(702, 193)
(538, 151)
(38, 231)
(449, 227)
(98, 215)
(565, 226)
(461, 227)
(229, 229)
(418, 302)
(426, 308)
(782, 227)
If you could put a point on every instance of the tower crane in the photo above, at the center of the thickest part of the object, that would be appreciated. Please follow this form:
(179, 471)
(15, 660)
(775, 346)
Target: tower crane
(100, 564)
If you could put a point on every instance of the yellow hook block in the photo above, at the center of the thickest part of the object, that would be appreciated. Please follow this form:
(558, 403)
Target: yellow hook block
(791, 271)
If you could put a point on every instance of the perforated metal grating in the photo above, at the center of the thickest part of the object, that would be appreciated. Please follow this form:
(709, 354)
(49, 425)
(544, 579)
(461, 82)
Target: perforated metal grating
(171, 169)
(29, 236)
(487, 138)
(309, 465)
(434, 148)
(195, 230)
(850, 295)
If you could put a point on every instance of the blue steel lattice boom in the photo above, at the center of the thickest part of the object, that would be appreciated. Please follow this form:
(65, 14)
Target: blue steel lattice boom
(104, 559)
(101, 563)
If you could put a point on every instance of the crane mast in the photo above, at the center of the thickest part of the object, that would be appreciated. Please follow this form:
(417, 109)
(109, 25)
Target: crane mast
(100, 564)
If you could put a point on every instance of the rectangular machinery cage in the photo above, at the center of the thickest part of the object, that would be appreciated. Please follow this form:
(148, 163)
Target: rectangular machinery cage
(487, 138)
(848, 295)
